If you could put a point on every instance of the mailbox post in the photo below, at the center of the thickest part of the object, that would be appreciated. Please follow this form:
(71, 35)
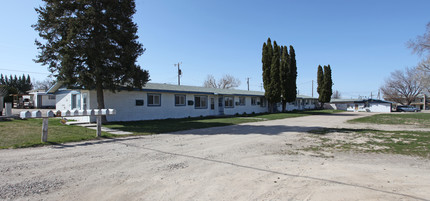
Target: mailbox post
(68, 113)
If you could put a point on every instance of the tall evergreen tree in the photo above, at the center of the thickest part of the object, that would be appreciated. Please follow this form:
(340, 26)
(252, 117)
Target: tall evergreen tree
(325, 84)
(292, 76)
(2, 81)
(284, 76)
(328, 84)
(279, 74)
(267, 63)
(274, 93)
(320, 82)
(91, 44)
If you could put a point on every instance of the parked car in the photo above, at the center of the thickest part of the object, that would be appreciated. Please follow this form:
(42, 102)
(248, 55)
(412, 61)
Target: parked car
(27, 103)
(407, 108)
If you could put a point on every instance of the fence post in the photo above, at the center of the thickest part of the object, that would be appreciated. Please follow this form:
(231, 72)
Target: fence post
(99, 125)
(45, 129)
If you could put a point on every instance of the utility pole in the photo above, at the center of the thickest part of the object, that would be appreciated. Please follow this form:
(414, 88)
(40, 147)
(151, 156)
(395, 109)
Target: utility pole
(247, 82)
(312, 88)
(179, 72)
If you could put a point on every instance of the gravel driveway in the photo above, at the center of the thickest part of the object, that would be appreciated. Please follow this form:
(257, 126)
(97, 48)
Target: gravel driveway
(251, 161)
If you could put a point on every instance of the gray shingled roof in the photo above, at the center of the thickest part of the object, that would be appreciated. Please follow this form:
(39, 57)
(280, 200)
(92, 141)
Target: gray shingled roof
(195, 89)
(158, 87)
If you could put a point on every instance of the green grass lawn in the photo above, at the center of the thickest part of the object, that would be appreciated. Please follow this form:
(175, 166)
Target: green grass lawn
(412, 143)
(172, 125)
(416, 119)
(27, 133)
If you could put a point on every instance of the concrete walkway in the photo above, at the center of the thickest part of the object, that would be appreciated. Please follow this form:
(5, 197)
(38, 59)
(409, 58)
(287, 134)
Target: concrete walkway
(94, 127)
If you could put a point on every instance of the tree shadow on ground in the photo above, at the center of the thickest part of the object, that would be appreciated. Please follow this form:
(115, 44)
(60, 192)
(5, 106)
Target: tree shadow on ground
(249, 130)
(325, 131)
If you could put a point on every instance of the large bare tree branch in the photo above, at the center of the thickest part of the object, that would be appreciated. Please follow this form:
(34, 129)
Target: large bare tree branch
(210, 82)
(421, 44)
(226, 82)
(402, 86)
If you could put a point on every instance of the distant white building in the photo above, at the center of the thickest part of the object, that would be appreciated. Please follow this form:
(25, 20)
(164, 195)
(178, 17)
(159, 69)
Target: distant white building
(42, 100)
(356, 105)
(162, 101)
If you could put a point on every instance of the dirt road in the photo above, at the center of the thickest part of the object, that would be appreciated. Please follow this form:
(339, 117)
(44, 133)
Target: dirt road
(253, 161)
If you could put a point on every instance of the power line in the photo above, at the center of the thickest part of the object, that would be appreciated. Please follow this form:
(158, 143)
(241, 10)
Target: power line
(25, 71)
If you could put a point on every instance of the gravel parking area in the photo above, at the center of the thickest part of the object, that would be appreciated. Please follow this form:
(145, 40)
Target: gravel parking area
(252, 161)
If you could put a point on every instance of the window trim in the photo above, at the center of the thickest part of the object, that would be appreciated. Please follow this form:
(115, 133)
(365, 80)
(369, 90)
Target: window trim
(244, 101)
(254, 101)
(212, 102)
(185, 99)
(262, 102)
(153, 105)
(232, 102)
(200, 107)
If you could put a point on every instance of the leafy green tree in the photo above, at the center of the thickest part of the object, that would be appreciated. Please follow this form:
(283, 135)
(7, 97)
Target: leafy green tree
(91, 44)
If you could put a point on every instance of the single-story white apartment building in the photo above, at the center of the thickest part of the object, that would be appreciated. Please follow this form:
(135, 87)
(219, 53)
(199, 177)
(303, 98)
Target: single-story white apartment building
(162, 101)
(360, 105)
(42, 100)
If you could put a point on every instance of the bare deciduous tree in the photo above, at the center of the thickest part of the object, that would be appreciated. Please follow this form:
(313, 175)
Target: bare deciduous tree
(45, 84)
(336, 95)
(226, 82)
(402, 86)
(421, 44)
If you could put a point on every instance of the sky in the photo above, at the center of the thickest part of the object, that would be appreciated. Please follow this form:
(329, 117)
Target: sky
(362, 40)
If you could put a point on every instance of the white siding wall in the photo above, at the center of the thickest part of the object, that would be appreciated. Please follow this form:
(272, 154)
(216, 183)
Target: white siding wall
(380, 107)
(374, 107)
(299, 104)
(125, 104)
(63, 100)
(48, 102)
(248, 108)
(338, 106)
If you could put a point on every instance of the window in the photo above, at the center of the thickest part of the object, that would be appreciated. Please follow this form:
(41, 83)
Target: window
(254, 101)
(212, 104)
(51, 97)
(84, 100)
(76, 101)
(242, 100)
(229, 101)
(262, 102)
(73, 101)
(154, 99)
(201, 102)
(179, 100)
(139, 102)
